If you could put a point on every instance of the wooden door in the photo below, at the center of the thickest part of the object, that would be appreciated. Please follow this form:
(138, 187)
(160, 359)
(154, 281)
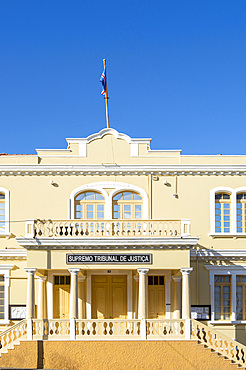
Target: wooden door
(156, 297)
(109, 297)
(100, 297)
(61, 297)
(118, 309)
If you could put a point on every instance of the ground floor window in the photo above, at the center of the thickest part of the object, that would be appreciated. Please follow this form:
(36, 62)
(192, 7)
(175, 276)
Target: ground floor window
(228, 292)
(222, 297)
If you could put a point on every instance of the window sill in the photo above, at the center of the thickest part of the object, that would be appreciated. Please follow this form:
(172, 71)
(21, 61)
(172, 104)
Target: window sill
(4, 322)
(217, 322)
(227, 235)
(5, 235)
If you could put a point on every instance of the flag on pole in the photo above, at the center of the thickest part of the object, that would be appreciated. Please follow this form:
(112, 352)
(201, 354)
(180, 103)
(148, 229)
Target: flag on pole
(103, 82)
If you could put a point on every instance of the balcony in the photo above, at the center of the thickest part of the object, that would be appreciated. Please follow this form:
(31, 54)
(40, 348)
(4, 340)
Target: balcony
(107, 228)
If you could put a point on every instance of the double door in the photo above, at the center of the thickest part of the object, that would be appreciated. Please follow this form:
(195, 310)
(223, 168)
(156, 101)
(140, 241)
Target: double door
(109, 299)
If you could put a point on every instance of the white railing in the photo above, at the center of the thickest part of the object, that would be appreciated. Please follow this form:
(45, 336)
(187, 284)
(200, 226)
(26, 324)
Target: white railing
(107, 228)
(110, 329)
(107, 329)
(167, 329)
(13, 335)
(225, 346)
(52, 329)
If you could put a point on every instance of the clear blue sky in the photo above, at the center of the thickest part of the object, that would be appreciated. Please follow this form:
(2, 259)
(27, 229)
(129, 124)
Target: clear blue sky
(176, 72)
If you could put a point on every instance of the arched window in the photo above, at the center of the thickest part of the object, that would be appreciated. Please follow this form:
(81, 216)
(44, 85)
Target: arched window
(2, 213)
(89, 205)
(222, 212)
(241, 212)
(127, 205)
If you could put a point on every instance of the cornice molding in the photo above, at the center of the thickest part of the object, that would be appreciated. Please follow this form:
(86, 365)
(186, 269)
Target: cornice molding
(122, 169)
(13, 254)
(218, 254)
(107, 243)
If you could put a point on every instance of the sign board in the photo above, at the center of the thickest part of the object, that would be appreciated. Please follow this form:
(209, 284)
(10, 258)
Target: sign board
(103, 258)
(201, 312)
(17, 312)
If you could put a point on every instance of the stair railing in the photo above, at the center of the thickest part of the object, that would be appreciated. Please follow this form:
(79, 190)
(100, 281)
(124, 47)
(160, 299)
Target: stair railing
(12, 335)
(220, 343)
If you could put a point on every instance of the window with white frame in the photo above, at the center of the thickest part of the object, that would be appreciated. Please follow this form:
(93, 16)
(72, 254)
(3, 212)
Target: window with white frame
(222, 212)
(109, 200)
(228, 211)
(241, 212)
(4, 211)
(4, 293)
(228, 292)
(89, 205)
(127, 205)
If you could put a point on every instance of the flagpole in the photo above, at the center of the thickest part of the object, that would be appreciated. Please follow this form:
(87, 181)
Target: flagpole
(106, 96)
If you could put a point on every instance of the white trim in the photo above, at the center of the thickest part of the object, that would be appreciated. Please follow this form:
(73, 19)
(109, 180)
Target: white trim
(13, 253)
(6, 193)
(235, 254)
(233, 271)
(126, 169)
(128, 273)
(117, 187)
(112, 242)
(5, 270)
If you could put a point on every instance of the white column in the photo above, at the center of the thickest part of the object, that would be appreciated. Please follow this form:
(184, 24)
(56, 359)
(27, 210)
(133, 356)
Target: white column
(30, 300)
(41, 297)
(186, 292)
(143, 301)
(143, 295)
(73, 312)
(177, 297)
(136, 290)
(81, 297)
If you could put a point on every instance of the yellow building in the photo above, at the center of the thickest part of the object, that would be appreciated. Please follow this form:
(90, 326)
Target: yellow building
(109, 239)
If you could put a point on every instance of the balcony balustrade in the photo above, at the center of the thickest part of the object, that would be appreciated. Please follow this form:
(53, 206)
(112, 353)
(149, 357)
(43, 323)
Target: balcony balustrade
(107, 228)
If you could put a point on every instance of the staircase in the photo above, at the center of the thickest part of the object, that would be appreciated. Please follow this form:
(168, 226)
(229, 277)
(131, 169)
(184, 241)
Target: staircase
(12, 336)
(206, 349)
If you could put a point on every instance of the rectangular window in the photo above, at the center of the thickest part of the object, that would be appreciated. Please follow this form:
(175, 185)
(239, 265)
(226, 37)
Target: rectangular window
(100, 211)
(241, 297)
(2, 213)
(89, 211)
(127, 211)
(222, 297)
(2, 298)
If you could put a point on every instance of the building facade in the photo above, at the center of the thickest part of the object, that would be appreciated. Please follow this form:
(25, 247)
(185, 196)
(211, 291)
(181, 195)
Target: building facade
(109, 229)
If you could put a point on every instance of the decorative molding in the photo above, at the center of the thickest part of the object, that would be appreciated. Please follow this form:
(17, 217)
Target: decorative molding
(122, 169)
(13, 254)
(218, 254)
(107, 243)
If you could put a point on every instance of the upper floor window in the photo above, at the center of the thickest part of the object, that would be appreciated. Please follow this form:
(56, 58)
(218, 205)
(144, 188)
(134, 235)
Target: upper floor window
(127, 205)
(89, 205)
(222, 212)
(241, 212)
(2, 213)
